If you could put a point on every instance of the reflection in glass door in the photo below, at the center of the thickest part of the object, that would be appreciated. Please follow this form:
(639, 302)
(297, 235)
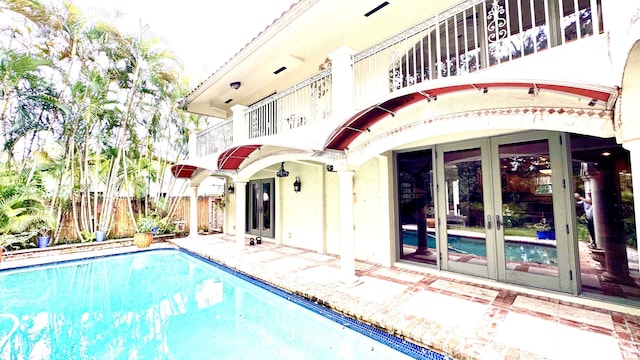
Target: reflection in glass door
(464, 228)
(416, 207)
(503, 211)
(527, 208)
(261, 207)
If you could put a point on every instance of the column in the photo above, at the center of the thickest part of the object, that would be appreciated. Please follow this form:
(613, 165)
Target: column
(347, 253)
(240, 126)
(241, 216)
(609, 224)
(634, 154)
(193, 144)
(193, 212)
(341, 81)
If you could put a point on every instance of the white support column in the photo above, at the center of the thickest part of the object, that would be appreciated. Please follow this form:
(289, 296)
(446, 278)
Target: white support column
(241, 198)
(341, 81)
(347, 252)
(193, 144)
(240, 127)
(634, 154)
(193, 212)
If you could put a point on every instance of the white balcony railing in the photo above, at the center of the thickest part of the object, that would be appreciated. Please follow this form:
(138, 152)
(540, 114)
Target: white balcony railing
(304, 103)
(468, 37)
(471, 36)
(216, 138)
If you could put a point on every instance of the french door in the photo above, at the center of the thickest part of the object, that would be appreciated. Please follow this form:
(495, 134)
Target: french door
(495, 198)
(261, 207)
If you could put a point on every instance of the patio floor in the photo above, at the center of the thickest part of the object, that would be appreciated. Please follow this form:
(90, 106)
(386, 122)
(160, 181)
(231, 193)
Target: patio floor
(442, 311)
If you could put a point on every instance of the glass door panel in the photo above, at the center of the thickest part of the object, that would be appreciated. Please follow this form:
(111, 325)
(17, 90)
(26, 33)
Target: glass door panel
(261, 207)
(531, 220)
(463, 219)
(416, 207)
(529, 242)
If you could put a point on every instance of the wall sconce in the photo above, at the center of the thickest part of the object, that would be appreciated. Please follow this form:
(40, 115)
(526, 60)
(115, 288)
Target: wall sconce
(297, 184)
(235, 85)
(231, 189)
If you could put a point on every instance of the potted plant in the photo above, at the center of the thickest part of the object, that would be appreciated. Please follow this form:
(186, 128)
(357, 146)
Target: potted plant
(544, 230)
(44, 236)
(44, 231)
(147, 228)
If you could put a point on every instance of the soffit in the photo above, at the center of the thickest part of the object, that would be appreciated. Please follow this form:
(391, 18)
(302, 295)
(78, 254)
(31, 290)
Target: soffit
(301, 40)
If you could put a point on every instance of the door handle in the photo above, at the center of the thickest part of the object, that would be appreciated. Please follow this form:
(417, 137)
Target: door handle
(488, 222)
(498, 223)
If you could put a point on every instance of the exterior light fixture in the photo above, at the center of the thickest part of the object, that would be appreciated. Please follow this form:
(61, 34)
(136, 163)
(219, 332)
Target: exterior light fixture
(593, 102)
(231, 189)
(282, 172)
(297, 184)
(485, 90)
(235, 85)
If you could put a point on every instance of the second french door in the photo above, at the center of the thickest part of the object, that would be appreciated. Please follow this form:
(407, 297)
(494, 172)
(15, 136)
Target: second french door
(261, 207)
(502, 212)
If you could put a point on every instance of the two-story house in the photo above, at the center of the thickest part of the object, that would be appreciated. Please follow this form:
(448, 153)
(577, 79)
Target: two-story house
(448, 135)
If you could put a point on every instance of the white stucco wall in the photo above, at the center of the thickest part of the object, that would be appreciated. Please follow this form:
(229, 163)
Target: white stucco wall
(369, 235)
(302, 213)
(332, 213)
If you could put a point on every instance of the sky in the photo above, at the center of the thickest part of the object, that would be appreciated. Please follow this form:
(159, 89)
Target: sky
(204, 34)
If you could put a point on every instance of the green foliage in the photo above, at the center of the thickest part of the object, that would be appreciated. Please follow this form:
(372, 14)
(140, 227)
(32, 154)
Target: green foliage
(16, 241)
(146, 224)
(543, 225)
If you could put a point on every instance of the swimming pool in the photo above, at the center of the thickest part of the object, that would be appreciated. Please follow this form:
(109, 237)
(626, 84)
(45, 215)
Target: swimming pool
(169, 304)
(515, 251)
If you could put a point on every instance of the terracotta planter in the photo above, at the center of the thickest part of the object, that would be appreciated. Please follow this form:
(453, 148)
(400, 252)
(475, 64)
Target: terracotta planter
(143, 240)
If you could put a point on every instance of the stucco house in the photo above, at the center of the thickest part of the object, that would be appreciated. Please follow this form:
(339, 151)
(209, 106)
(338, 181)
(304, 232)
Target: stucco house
(440, 135)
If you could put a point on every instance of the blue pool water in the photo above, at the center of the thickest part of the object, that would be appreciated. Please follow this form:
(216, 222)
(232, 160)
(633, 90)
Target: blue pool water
(514, 251)
(167, 304)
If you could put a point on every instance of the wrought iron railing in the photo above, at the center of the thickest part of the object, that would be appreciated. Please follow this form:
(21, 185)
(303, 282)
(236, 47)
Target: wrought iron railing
(216, 138)
(304, 103)
(470, 36)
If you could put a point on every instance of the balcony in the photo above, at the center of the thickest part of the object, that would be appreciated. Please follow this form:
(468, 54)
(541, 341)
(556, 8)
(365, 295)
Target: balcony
(306, 102)
(472, 36)
(469, 37)
(214, 139)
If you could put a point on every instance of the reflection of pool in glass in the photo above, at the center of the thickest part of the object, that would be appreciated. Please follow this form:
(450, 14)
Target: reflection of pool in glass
(167, 304)
(515, 251)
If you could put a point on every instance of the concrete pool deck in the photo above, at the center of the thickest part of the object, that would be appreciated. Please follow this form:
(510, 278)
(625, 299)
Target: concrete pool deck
(447, 313)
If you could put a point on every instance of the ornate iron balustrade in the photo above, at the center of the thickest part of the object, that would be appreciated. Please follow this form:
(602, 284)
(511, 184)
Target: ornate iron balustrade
(216, 138)
(304, 103)
(468, 37)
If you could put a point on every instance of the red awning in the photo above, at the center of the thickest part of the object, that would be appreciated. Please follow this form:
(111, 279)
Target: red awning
(183, 171)
(363, 120)
(233, 157)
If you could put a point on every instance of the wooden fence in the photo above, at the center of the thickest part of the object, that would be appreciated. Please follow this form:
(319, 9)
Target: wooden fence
(122, 225)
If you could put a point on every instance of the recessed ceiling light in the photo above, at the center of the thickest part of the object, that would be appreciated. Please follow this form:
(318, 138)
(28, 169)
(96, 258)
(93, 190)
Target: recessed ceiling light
(280, 70)
(375, 9)
(606, 153)
(228, 101)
